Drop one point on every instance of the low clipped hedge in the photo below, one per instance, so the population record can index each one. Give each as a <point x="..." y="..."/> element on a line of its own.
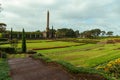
<point x="8" y="50"/>
<point x="3" y="39"/>
<point x="86" y="41"/>
<point x="82" y="70"/>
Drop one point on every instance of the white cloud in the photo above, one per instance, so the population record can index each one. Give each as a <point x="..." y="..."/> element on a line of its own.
<point x="31" y="14"/>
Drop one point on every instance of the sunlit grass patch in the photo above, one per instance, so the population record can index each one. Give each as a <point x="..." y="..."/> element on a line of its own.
<point x="23" y="55"/>
<point x="81" y="57"/>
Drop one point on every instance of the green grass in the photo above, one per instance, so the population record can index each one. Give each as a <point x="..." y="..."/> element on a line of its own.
<point x="84" y="55"/>
<point x="37" y="41"/>
<point x="72" y="69"/>
<point x="44" y="44"/>
<point x="4" y="70"/>
<point x="89" y="55"/>
<point x="17" y="55"/>
<point x="67" y="49"/>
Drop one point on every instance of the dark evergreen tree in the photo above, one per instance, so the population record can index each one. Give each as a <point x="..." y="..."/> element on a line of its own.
<point x="11" y="34"/>
<point x="52" y="33"/>
<point x="23" y="42"/>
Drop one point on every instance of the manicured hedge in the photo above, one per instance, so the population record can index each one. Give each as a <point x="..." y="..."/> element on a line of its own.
<point x="3" y="39"/>
<point x="8" y="49"/>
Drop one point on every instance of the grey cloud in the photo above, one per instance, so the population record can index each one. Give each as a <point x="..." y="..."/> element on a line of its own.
<point x="31" y="14"/>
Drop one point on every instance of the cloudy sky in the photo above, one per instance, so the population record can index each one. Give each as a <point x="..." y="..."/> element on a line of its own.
<point x="76" y="14"/>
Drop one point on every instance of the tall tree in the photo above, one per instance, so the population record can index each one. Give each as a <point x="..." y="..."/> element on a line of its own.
<point x="52" y="33"/>
<point x="11" y="34"/>
<point x="23" y="41"/>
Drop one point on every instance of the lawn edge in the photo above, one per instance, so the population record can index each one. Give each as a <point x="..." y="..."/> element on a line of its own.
<point x="72" y="69"/>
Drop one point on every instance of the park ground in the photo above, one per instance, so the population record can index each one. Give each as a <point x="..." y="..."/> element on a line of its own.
<point x="85" y="54"/>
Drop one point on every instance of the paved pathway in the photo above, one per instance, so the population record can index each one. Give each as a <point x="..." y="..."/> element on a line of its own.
<point x="30" y="69"/>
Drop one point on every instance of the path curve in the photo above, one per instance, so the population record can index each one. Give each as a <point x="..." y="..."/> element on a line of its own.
<point x="30" y="69"/>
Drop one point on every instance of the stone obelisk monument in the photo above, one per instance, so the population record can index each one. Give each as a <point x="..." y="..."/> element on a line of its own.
<point x="47" y="28"/>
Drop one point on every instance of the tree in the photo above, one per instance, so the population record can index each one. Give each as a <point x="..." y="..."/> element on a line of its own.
<point x="109" y="33"/>
<point x="86" y="34"/>
<point x="64" y="32"/>
<point x="2" y="27"/>
<point x="52" y="33"/>
<point x="38" y="31"/>
<point x="77" y="33"/>
<point x="103" y="33"/>
<point x="23" y="41"/>
<point x="11" y="34"/>
<point x="94" y="33"/>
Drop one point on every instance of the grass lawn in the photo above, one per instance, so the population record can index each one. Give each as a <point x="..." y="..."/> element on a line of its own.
<point x="89" y="55"/>
<point x="32" y="44"/>
<point x="17" y="55"/>
<point x="37" y="41"/>
<point x="84" y="55"/>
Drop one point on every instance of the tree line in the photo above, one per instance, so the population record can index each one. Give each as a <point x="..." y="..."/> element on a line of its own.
<point x="66" y="32"/>
<point x="70" y="33"/>
<point x="95" y="33"/>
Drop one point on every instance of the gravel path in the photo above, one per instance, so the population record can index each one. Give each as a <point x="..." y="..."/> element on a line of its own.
<point x="30" y="69"/>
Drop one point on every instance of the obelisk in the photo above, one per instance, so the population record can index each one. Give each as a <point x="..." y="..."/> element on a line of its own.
<point x="47" y="28"/>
